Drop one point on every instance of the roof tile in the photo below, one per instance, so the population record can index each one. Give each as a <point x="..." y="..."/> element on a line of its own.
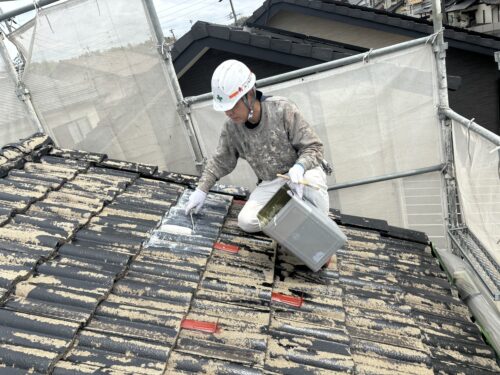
<point x="218" y="31"/>
<point x="132" y="267"/>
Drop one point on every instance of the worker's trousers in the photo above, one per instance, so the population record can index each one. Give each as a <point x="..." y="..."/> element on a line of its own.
<point x="247" y="219"/>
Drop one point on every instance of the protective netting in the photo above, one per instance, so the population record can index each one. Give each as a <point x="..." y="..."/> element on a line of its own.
<point x="15" y="121"/>
<point x="375" y="117"/>
<point x="99" y="83"/>
<point x="477" y="164"/>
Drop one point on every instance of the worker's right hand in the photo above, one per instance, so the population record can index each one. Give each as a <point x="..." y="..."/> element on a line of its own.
<point x="196" y="201"/>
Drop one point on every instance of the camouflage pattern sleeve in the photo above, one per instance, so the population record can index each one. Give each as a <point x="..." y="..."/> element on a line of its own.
<point x="303" y="138"/>
<point x="221" y="164"/>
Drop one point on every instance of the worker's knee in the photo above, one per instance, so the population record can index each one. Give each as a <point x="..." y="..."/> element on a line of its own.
<point x="248" y="221"/>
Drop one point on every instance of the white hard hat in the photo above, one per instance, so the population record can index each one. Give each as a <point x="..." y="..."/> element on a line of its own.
<point x="231" y="80"/>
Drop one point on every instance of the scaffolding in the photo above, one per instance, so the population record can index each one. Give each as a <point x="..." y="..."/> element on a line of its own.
<point x="400" y="153"/>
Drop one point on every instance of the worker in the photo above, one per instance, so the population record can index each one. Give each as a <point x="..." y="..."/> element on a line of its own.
<point x="268" y="132"/>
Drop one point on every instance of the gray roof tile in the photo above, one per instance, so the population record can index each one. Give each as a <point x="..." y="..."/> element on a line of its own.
<point x="129" y="282"/>
<point x="261" y="41"/>
<point x="118" y="354"/>
<point x="238" y="36"/>
<point x="216" y="31"/>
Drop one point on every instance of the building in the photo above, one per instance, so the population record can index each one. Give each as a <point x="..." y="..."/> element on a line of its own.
<point x="267" y="51"/>
<point x="471" y="65"/>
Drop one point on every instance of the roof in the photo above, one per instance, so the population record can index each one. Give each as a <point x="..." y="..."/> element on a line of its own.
<point x="460" y="5"/>
<point x="377" y="19"/>
<point x="101" y="272"/>
<point x="265" y="43"/>
<point x="396" y="6"/>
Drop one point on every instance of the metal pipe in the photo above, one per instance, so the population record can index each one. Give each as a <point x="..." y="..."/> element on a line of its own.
<point x="23" y="95"/>
<point x="155" y="21"/>
<point x="440" y="50"/>
<point x="322" y="67"/>
<point x="234" y="13"/>
<point x="472" y="292"/>
<point x="181" y="106"/>
<point x="26" y="8"/>
<point x="387" y="177"/>
<point x="476" y="128"/>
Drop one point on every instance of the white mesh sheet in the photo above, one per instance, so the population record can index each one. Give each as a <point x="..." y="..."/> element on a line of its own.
<point x="100" y="85"/>
<point x="375" y="118"/>
<point x="414" y="202"/>
<point x="15" y="121"/>
<point x="478" y="175"/>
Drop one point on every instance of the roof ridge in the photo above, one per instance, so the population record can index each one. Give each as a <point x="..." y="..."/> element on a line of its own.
<point x="268" y="3"/>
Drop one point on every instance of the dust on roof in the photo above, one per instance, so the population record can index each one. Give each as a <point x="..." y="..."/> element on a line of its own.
<point x="101" y="271"/>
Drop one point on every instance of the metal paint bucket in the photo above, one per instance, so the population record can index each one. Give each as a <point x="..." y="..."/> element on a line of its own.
<point x="300" y="227"/>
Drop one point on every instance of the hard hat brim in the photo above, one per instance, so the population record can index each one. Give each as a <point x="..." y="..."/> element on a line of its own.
<point x="223" y="107"/>
<point x="226" y="106"/>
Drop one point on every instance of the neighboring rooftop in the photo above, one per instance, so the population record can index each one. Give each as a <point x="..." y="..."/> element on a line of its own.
<point x="101" y="272"/>
<point x="266" y="50"/>
<point x="376" y="19"/>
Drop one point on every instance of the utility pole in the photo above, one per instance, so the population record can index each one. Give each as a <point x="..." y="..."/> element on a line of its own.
<point x="172" y="31"/>
<point x="232" y="9"/>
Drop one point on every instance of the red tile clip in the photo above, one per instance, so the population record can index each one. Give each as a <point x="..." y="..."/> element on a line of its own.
<point x="288" y="300"/>
<point x="197" y="325"/>
<point x="226" y="247"/>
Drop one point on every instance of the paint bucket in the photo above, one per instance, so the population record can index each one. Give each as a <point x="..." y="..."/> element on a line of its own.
<point x="301" y="228"/>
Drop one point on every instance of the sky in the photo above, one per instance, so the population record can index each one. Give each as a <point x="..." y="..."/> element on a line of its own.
<point x="174" y="14"/>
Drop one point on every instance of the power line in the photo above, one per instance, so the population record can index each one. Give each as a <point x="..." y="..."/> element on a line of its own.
<point x="175" y="16"/>
<point x="180" y="9"/>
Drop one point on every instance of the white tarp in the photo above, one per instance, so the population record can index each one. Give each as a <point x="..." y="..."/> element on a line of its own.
<point x="478" y="174"/>
<point x="99" y="83"/>
<point x="375" y="118"/>
<point x="15" y="121"/>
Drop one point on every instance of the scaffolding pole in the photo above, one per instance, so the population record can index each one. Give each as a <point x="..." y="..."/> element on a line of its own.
<point x="324" y="66"/>
<point x="22" y="93"/>
<point x="182" y="107"/>
<point x="25" y="9"/>
<point x="392" y="176"/>
<point x="470" y="124"/>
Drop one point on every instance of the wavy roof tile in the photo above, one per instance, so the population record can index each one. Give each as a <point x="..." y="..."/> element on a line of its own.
<point x="101" y="272"/>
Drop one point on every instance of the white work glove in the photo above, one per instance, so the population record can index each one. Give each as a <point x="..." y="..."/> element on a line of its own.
<point x="196" y="200"/>
<point x="296" y="174"/>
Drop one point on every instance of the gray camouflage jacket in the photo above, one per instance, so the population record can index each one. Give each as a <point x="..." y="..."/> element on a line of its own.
<point x="282" y="138"/>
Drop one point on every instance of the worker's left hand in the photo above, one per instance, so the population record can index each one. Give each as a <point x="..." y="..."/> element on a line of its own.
<point x="296" y="174"/>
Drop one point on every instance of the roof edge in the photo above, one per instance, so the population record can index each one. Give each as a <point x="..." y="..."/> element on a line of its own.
<point x="473" y="295"/>
<point x="329" y="6"/>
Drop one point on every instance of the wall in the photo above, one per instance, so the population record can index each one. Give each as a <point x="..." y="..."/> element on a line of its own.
<point x="478" y="95"/>
<point x="333" y="30"/>
<point x="196" y="80"/>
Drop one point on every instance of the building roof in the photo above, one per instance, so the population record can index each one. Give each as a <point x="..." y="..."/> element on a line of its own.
<point x="101" y="272"/>
<point x="377" y="19"/>
<point x="460" y="5"/>
<point x="266" y="43"/>
<point x="396" y="6"/>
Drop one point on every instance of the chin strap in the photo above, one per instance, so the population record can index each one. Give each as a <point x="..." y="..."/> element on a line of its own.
<point x="250" y="105"/>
